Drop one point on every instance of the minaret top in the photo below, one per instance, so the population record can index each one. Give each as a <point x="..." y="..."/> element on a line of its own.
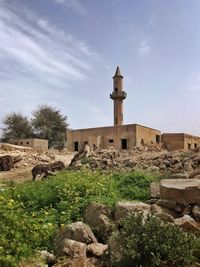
<point x="118" y="72"/>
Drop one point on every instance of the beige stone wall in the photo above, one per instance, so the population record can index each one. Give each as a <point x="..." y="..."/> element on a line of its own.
<point x="39" y="144"/>
<point x="173" y="141"/>
<point x="191" y="141"/>
<point x="178" y="141"/>
<point x="104" y="137"/>
<point x="147" y="136"/>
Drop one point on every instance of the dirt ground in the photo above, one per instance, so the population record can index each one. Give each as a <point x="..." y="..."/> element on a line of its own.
<point x="29" y="158"/>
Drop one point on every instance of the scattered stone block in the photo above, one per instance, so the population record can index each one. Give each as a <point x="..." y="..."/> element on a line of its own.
<point x="122" y="209"/>
<point x="186" y="191"/>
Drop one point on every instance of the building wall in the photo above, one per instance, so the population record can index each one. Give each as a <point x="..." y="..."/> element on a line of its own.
<point x="102" y="137"/>
<point x="40" y="144"/>
<point x="177" y="141"/>
<point x="191" y="141"/>
<point x="147" y="136"/>
<point x="173" y="141"/>
<point x="112" y="136"/>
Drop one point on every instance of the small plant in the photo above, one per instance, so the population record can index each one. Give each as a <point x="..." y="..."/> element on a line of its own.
<point x="134" y="185"/>
<point x="148" y="242"/>
<point x="85" y="160"/>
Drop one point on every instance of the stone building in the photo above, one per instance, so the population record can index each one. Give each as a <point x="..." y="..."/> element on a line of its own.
<point x="39" y="144"/>
<point x="128" y="136"/>
<point x="118" y="136"/>
<point x="180" y="141"/>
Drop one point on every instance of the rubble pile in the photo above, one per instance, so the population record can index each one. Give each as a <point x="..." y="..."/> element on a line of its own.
<point x="28" y="156"/>
<point x="181" y="164"/>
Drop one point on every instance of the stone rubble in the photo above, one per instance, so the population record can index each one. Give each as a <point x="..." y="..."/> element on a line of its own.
<point x="180" y="164"/>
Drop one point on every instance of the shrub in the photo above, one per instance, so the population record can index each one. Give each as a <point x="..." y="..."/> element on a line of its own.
<point x="148" y="242"/>
<point x="30" y="212"/>
<point x="134" y="185"/>
<point x="21" y="233"/>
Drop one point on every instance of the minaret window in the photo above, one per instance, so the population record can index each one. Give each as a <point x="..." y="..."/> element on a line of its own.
<point x="116" y="89"/>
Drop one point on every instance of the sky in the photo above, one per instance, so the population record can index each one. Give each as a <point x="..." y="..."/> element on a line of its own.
<point x="64" y="53"/>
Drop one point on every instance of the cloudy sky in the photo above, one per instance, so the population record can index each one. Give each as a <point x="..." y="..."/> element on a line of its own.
<point x="65" y="52"/>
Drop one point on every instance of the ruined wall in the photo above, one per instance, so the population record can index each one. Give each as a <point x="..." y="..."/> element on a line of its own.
<point x="103" y="137"/>
<point x="177" y="141"/>
<point x="191" y="141"/>
<point x="173" y="141"/>
<point x="118" y="137"/>
<point x="39" y="144"/>
<point x="147" y="136"/>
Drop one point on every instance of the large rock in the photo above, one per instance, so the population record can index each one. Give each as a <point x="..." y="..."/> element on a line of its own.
<point x="97" y="249"/>
<point x="165" y="203"/>
<point x="76" y="251"/>
<point x="187" y="223"/>
<point x="80" y="232"/>
<point x="163" y="213"/>
<point x="48" y="258"/>
<point x="181" y="190"/>
<point x="122" y="209"/>
<point x="155" y="190"/>
<point x="98" y="216"/>
<point x="196" y="212"/>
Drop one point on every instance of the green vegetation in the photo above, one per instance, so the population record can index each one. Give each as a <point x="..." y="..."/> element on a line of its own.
<point x="31" y="212"/>
<point x="148" y="242"/>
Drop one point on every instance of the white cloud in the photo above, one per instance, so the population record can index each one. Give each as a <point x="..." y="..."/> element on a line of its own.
<point x="75" y="5"/>
<point x="39" y="62"/>
<point x="144" y="48"/>
<point x="52" y="53"/>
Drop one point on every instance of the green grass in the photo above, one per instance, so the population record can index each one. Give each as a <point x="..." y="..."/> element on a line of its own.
<point x="31" y="212"/>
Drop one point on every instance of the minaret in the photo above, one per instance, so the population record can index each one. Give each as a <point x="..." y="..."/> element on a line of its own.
<point x="118" y="95"/>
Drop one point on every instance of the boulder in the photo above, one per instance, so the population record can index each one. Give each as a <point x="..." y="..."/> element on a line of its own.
<point x="76" y="252"/>
<point x="155" y="190"/>
<point x="122" y="209"/>
<point x="165" y="217"/>
<point x="186" y="191"/>
<point x="180" y="176"/>
<point x="98" y="216"/>
<point x="163" y="213"/>
<point x="48" y="258"/>
<point x="80" y="232"/>
<point x="196" y="212"/>
<point x="153" y="168"/>
<point x="187" y="223"/>
<point x="97" y="249"/>
<point x="165" y="203"/>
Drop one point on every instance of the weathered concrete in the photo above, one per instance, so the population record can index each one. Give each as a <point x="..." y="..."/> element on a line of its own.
<point x="186" y="191"/>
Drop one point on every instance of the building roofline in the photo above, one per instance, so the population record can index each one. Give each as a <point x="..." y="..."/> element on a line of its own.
<point x="114" y="126"/>
<point x="185" y="134"/>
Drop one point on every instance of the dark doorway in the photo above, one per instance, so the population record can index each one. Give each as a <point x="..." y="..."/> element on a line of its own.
<point x="124" y="143"/>
<point x="189" y="146"/>
<point x="76" y="146"/>
<point x="157" y="138"/>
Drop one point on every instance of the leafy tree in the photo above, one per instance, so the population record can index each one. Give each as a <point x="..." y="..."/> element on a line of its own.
<point x="48" y="123"/>
<point x="16" y="126"/>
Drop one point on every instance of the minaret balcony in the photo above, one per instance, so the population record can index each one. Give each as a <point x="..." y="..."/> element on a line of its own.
<point x="118" y="95"/>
